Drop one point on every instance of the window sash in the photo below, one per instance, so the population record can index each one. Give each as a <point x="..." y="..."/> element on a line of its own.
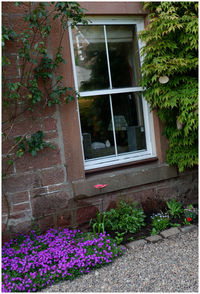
<point x="148" y="125"/>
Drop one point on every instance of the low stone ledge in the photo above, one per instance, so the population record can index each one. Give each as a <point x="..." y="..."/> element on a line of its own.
<point x="124" y="179"/>
<point x="154" y="239"/>
<point x="134" y="244"/>
<point x="170" y="232"/>
<point x="188" y="228"/>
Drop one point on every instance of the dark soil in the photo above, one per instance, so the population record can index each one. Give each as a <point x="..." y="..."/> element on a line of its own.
<point x="146" y="230"/>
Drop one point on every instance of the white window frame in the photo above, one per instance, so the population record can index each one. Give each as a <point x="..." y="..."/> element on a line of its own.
<point x="128" y="157"/>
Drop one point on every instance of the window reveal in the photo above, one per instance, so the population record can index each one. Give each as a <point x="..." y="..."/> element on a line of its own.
<point x="107" y="73"/>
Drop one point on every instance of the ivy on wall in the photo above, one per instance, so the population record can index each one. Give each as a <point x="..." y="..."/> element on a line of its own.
<point x="170" y="75"/>
<point x="39" y="82"/>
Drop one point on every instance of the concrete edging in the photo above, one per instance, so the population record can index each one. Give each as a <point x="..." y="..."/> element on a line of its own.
<point x="163" y="235"/>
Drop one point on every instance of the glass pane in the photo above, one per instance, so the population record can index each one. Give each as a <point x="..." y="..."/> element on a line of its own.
<point x="90" y="57"/>
<point x="95" y="117"/>
<point x="123" y="55"/>
<point x="129" y="122"/>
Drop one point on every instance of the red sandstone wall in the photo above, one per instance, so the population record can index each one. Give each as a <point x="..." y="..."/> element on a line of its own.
<point x="35" y="187"/>
<point x="41" y="188"/>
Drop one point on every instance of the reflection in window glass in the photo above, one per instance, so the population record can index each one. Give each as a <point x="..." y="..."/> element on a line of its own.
<point x="129" y="122"/>
<point x="123" y="55"/>
<point x="112" y="121"/>
<point x="95" y="117"/>
<point x="90" y="57"/>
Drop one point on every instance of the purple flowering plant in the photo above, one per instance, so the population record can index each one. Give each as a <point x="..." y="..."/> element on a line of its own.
<point x="32" y="262"/>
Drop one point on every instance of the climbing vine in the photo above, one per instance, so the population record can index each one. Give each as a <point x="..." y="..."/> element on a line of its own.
<point x="170" y="75"/>
<point x="38" y="83"/>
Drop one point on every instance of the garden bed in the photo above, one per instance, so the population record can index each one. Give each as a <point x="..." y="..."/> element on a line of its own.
<point x="35" y="261"/>
<point x="128" y="221"/>
<point x="147" y="229"/>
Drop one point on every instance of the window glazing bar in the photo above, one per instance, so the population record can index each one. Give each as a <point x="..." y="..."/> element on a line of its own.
<point x="111" y="91"/>
<point x="113" y="125"/>
<point x="107" y="55"/>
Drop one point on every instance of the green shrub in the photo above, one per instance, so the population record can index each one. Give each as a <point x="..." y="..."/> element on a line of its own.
<point x="125" y="217"/>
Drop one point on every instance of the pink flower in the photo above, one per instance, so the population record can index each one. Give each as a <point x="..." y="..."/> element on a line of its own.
<point x="100" y="186"/>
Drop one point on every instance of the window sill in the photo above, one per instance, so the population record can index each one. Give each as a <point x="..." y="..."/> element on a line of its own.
<point x="121" y="179"/>
<point x="119" y="166"/>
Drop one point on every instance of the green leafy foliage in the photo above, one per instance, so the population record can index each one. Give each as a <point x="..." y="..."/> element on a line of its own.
<point x="174" y="208"/>
<point x="98" y="225"/>
<point x="171" y="49"/>
<point x="32" y="145"/>
<point x="191" y="212"/>
<point x="126" y="217"/>
<point x="119" y="237"/>
<point x="160" y="221"/>
<point x="39" y="83"/>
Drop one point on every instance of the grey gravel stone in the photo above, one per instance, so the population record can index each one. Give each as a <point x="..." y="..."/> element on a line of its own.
<point x="154" y="238"/>
<point x="135" y="244"/>
<point x="167" y="266"/>
<point x="188" y="228"/>
<point x="170" y="232"/>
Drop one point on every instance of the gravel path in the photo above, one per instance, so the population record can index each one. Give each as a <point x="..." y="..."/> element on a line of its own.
<point x="170" y="265"/>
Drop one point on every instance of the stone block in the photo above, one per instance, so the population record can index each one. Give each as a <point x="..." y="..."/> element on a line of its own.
<point x="49" y="124"/>
<point x="64" y="219"/>
<point x="18" y="215"/>
<point x="6" y="168"/>
<point x="154" y="239"/>
<point x="18" y="197"/>
<point x="170" y="232"/>
<point x="50" y="135"/>
<point x="25" y="126"/>
<point x="46" y="223"/>
<point x="12" y="69"/>
<point x="38" y="192"/>
<point x="168" y="192"/>
<point x="21" y="207"/>
<point x="45" y="158"/>
<point x="84" y="214"/>
<point x="5" y="205"/>
<point x="56" y="188"/>
<point x="52" y="176"/>
<point x="5" y="237"/>
<point x="18" y="183"/>
<point x="135" y="244"/>
<point x="188" y="228"/>
<point x="49" y="204"/>
<point x="22" y="227"/>
<point x="9" y="7"/>
<point x="3" y="227"/>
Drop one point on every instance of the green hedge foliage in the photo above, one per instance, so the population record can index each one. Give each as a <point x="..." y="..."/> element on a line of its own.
<point x="170" y="49"/>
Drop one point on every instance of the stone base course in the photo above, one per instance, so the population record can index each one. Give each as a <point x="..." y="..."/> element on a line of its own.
<point x="170" y="232"/>
<point x="163" y="235"/>
<point x="187" y="228"/>
<point x="154" y="238"/>
<point x="137" y="243"/>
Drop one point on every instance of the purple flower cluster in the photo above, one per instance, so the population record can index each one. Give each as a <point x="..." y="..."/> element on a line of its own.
<point x="38" y="261"/>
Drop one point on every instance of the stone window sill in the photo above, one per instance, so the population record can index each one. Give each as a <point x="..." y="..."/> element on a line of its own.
<point x="123" y="179"/>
